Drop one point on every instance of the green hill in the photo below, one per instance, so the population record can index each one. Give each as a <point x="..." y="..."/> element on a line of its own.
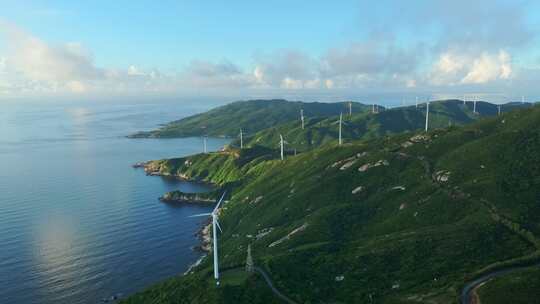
<point x="252" y="116"/>
<point x="408" y="218"/>
<point x="366" y="125"/>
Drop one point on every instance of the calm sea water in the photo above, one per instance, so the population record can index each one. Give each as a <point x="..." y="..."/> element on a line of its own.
<point x="77" y="223"/>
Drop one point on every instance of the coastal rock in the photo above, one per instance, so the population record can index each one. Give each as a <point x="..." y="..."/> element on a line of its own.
<point x="347" y="165"/>
<point x="419" y="138"/>
<point x="365" y="167"/>
<point x="441" y="176"/>
<point x="178" y="196"/>
<point x="288" y="236"/>
<point x="357" y="190"/>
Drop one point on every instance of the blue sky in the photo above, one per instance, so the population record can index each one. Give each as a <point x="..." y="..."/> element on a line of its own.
<point x="243" y="49"/>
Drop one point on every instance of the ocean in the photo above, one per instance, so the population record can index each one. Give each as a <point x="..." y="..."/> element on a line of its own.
<point x="77" y="222"/>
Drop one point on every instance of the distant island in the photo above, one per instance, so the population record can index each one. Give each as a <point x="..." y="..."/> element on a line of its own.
<point x="393" y="214"/>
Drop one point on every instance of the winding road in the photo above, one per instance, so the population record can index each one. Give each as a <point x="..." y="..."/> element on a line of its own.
<point x="271" y="285"/>
<point x="267" y="280"/>
<point x="467" y="291"/>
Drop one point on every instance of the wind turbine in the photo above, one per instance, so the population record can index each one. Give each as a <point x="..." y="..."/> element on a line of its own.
<point x="474" y="105"/>
<point x="281" y="145"/>
<point x="204" y="144"/>
<point x="498" y="110"/>
<point x="427" y="115"/>
<point x="416" y="103"/>
<point x="340" y="122"/>
<point x="241" y="139"/>
<point x="522" y="99"/>
<point x="302" y="117"/>
<point x="215" y="226"/>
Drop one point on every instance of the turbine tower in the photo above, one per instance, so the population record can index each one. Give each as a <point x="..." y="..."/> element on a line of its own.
<point x="215" y="226"/>
<point x="281" y="145"/>
<point x="427" y="115"/>
<point x="474" y="105"/>
<point x="416" y="103"/>
<point x="204" y="144"/>
<point x="350" y="108"/>
<point x="241" y="139"/>
<point x="340" y="123"/>
<point x="249" y="260"/>
<point x="302" y="117"/>
<point x="498" y="110"/>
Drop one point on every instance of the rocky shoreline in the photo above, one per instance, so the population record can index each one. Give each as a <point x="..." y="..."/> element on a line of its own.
<point x="178" y="196"/>
<point x="204" y="233"/>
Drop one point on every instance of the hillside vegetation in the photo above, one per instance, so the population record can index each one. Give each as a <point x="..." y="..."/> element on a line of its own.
<point x="366" y="125"/>
<point x="252" y="116"/>
<point x="407" y="218"/>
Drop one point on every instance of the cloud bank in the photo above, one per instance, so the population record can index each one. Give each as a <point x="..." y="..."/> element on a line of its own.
<point x="457" y="46"/>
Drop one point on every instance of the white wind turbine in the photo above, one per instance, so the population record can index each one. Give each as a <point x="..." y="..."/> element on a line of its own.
<point x="427" y="115"/>
<point x="474" y="105"/>
<point x="341" y="123"/>
<point x="416" y="103"/>
<point x="241" y="139"/>
<point x="204" y="144"/>
<point x="215" y="226"/>
<point x="498" y="110"/>
<point x="302" y="117"/>
<point x="522" y="99"/>
<point x="282" y="145"/>
<point x="350" y="108"/>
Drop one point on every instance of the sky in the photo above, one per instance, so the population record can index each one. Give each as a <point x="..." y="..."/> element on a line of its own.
<point x="387" y="51"/>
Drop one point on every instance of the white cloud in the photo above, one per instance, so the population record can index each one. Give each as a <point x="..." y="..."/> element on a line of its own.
<point x="457" y="68"/>
<point x="488" y="67"/>
<point x="451" y="48"/>
<point x="38" y="61"/>
<point x="134" y="71"/>
<point x="285" y="68"/>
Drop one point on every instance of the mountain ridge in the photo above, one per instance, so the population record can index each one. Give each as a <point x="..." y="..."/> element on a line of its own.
<point x="406" y="218"/>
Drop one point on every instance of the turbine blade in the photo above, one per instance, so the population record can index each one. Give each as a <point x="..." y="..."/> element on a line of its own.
<point x="219" y="202"/>
<point x="200" y="215"/>
<point x="219" y="227"/>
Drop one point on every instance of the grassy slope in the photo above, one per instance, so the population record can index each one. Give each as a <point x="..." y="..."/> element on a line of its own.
<point x="416" y="245"/>
<point x="365" y="125"/>
<point x="220" y="168"/>
<point x="252" y="116"/>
